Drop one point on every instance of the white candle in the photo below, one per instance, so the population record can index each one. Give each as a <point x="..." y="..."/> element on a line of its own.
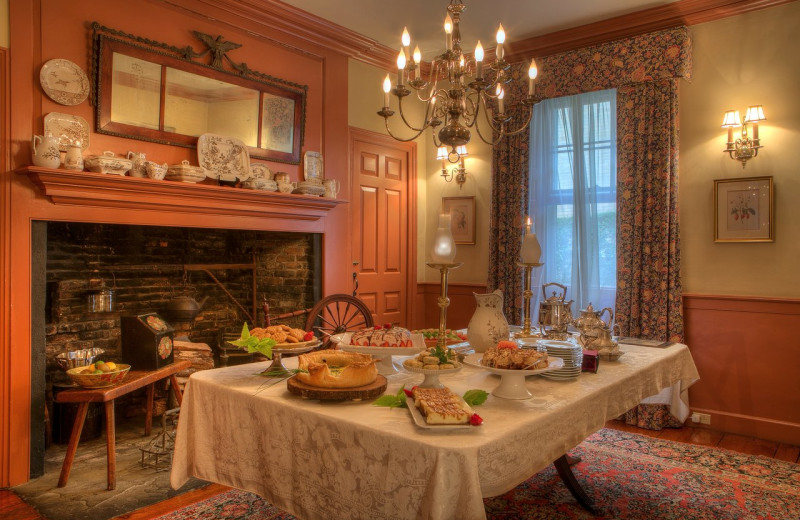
<point x="417" y="61"/>
<point x="500" y="95"/>
<point x="387" y="87"/>
<point x="479" y="60"/>
<point x="532" y="72"/>
<point x="401" y="67"/>
<point x="448" y="32"/>
<point x="531" y="250"/>
<point x="501" y="37"/>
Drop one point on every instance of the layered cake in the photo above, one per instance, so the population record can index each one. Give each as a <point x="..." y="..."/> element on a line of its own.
<point x="386" y="336"/>
<point x="441" y="406"/>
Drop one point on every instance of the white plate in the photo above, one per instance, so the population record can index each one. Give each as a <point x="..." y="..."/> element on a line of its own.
<point x="223" y="158"/>
<point x="260" y="171"/>
<point x="382" y="354"/>
<point x="297" y="347"/>
<point x="68" y="129"/>
<point x="419" y="420"/>
<point x="64" y="82"/>
<point x="312" y="167"/>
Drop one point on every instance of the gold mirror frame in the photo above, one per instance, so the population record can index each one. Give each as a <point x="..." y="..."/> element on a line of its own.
<point x="272" y="92"/>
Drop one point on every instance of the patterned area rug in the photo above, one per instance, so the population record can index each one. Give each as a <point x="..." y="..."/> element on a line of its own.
<point x="628" y="476"/>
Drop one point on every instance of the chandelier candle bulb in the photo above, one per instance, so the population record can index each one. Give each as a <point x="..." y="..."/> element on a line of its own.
<point x="387" y="87"/>
<point x="500" y="95"/>
<point x="401" y="67"/>
<point x="531" y="249"/>
<point x="501" y="38"/>
<point x="532" y="72"/>
<point x="406" y="39"/>
<point x="448" y="32"/>
<point x="479" y="60"/>
<point x="417" y="61"/>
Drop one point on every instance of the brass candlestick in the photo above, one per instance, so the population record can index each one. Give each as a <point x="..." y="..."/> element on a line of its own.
<point x="443" y="300"/>
<point x="526" y="300"/>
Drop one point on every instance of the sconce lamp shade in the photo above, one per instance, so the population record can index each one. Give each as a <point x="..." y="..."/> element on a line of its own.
<point x="442" y="153"/>
<point x="462" y="150"/>
<point x="731" y="119"/>
<point x="754" y="114"/>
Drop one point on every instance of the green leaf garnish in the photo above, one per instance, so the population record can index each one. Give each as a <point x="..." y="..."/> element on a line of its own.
<point x="397" y="400"/>
<point x="475" y="397"/>
<point x="252" y="344"/>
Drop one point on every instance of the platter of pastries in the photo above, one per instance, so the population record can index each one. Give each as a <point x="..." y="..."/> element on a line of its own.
<point x="285" y="336"/>
<point x="439" y="408"/>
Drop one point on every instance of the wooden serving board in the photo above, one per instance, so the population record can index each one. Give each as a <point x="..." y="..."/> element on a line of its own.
<point x="358" y="393"/>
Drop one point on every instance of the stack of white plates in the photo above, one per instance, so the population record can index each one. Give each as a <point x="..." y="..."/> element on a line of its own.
<point x="570" y="352"/>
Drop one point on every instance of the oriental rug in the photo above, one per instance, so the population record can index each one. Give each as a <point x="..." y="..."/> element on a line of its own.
<point x="628" y="476"/>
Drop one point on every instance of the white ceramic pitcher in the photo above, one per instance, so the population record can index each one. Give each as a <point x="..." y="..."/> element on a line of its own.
<point x="488" y="325"/>
<point x="331" y="188"/>
<point x="45" y="152"/>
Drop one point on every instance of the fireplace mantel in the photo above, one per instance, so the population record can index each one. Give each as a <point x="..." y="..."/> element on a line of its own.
<point x="75" y="188"/>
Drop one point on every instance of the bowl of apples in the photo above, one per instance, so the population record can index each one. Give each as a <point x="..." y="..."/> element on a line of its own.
<point x="99" y="374"/>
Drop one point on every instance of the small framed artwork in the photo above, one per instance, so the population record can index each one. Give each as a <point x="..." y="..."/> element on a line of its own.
<point x="743" y="210"/>
<point x="462" y="218"/>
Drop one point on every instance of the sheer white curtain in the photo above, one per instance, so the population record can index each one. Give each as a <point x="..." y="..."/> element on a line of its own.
<point x="573" y="195"/>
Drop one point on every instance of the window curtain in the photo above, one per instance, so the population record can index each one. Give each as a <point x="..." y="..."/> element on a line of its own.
<point x="652" y="61"/>
<point x="573" y="194"/>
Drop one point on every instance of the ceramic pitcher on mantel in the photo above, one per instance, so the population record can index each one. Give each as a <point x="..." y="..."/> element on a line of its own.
<point x="488" y="325"/>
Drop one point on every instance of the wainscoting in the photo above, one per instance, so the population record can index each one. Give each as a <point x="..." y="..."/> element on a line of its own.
<point x="746" y="350"/>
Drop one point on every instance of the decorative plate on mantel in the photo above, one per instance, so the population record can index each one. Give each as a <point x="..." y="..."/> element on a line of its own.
<point x="64" y="82"/>
<point x="223" y="158"/>
<point x="312" y="167"/>
<point x="68" y="129"/>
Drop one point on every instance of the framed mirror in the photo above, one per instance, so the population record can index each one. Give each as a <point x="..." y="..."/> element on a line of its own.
<point x="154" y="92"/>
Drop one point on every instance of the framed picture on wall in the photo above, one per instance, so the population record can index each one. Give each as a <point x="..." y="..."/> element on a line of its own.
<point x="462" y="218"/>
<point x="743" y="210"/>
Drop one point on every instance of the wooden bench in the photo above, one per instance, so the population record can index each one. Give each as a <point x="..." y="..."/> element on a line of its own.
<point x="134" y="380"/>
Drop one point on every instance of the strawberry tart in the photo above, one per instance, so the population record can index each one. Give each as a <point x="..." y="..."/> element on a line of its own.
<point x="386" y="336"/>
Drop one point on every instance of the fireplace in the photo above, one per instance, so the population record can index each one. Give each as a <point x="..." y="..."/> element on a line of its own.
<point x="234" y="271"/>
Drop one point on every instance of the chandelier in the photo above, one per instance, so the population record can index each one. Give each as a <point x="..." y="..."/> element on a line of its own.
<point x="459" y="87"/>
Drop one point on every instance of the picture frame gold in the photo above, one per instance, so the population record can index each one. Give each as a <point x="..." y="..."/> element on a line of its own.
<point x="744" y="210"/>
<point x="462" y="222"/>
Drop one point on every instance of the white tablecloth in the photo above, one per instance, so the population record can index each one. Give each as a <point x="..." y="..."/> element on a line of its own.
<point x="352" y="460"/>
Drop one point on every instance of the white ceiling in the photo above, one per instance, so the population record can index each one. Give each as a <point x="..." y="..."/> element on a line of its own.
<point x="383" y="20"/>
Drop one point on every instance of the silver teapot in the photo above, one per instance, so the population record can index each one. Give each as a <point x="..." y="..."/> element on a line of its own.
<point x="555" y="312"/>
<point x="590" y="323"/>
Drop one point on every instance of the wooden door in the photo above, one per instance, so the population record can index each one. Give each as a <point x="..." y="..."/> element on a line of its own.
<point x="381" y="173"/>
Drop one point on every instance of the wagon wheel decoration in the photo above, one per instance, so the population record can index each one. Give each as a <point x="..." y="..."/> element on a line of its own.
<point x="338" y="313"/>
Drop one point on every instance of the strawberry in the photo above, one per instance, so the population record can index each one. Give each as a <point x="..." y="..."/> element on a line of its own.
<point x="387" y="326"/>
<point x="409" y="393"/>
<point x="385" y="344"/>
<point x="377" y="327"/>
<point x="309" y="336"/>
<point x="475" y="420"/>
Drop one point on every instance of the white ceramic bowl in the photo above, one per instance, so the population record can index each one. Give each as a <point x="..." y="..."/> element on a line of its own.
<point x="156" y="171"/>
<point x="108" y="163"/>
<point x="184" y="172"/>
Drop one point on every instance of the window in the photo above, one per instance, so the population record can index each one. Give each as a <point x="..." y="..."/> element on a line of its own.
<point x="573" y="176"/>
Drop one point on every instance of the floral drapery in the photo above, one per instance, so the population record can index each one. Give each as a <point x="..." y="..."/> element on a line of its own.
<point x="644" y="69"/>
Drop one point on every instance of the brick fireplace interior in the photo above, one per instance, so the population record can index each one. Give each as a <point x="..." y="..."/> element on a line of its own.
<point x="146" y="267"/>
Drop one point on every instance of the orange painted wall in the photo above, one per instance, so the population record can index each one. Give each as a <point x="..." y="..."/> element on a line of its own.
<point x="42" y="30"/>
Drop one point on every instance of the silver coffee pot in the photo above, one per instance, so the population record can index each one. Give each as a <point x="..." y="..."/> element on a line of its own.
<point x="590" y="324"/>
<point x="555" y="313"/>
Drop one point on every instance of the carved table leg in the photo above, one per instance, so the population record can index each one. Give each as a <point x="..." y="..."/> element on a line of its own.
<point x="173" y="380"/>
<point x="565" y="472"/>
<point x="148" y="420"/>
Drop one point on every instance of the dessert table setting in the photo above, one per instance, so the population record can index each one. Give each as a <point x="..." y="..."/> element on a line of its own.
<point x="319" y="459"/>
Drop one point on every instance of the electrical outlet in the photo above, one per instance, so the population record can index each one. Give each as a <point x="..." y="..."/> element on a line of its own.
<point x="702" y="418"/>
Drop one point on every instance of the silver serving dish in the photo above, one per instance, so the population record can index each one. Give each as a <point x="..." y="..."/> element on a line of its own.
<point x="78" y="358"/>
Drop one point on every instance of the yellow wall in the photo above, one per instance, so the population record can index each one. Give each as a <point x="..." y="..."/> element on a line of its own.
<point x="741" y="61"/>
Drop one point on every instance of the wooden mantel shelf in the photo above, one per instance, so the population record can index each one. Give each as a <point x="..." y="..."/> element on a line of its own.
<point x="70" y="187"/>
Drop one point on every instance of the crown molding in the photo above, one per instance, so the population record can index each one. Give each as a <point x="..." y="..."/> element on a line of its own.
<point x="295" y="23"/>
<point x="683" y="12"/>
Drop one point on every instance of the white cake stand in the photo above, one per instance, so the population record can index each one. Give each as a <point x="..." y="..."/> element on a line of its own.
<point x="512" y="382"/>
<point x="432" y="376"/>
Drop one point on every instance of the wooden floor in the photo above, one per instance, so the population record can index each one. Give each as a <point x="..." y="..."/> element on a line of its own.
<point x="13" y="508"/>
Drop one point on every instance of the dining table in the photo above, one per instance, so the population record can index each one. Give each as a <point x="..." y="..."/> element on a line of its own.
<point x="354" y="460"/>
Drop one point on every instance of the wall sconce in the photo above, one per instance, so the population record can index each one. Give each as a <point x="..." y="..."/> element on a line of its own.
<point x="455" y="156"/>
<point x="743" y="148"/>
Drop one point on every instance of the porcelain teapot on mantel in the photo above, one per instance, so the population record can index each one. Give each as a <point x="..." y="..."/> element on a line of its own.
<point x="590" y="324"/>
